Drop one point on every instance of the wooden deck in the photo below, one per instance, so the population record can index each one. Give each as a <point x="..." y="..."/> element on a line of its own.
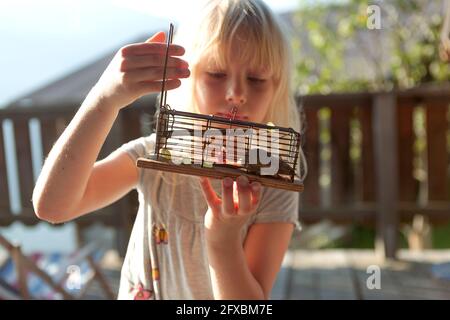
<point x="342" y="274"/>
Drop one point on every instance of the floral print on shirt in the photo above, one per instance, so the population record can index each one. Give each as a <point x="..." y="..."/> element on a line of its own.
<point x="139" y="293"/>
<point x="161" y="234"/>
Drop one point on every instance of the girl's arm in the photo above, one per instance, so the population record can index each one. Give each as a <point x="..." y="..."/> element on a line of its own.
<point x="64" y="181"/>
<point x="69" y="183"/>
<point x="249" y="272"/>
<point x="241" y="271"/>
<point x="265" y="247"/>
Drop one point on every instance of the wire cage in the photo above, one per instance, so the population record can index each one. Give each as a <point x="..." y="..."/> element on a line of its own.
<point x="218" y="147"/>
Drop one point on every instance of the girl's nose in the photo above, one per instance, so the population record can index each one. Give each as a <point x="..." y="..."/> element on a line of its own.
<point x="236" y="93"/>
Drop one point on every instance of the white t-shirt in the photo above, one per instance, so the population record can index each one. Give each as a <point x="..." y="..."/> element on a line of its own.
<point x="166" y="256"/>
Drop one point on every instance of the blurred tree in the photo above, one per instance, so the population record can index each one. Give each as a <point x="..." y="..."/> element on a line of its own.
<point x="336" y="52"/>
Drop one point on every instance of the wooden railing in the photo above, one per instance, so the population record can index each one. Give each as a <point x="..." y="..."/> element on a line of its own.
<point x="382" y="184"/>
<point x="360" y="150"/>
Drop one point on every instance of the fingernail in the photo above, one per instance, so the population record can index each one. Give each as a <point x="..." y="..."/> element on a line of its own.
<point x="228" y="182"/>
<point x="184" y="72"/>
<point x="242" y="181"/>
<point x="256" y="186"/>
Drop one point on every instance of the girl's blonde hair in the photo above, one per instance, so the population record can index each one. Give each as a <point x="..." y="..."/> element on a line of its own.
<point x="264" y="44"/>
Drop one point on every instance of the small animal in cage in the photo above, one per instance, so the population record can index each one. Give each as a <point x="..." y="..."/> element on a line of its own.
<point x="219" y="147"/>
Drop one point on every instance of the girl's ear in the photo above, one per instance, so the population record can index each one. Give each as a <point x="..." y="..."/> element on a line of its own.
<point x="157" y="37"/>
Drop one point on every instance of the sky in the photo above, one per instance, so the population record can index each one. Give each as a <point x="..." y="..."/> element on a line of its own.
<point x="34" y="34"/>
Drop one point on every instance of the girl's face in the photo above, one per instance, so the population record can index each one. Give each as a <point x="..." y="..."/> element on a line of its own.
<point x="219" y="89"/>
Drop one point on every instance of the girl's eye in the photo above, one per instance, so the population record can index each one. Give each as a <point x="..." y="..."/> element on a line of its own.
<point x="256" y="80"/>
<point x="217" y="75"/>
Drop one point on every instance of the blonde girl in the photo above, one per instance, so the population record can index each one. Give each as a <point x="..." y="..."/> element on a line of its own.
<point x="192" y="238"/>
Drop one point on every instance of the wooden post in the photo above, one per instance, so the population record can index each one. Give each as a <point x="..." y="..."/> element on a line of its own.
<point x="385" y="136"/>
<point x="22" y="273"/>
<point x="437" y="127"/>
<point x="311" y="196"/>
<point x="6" y="217"/>
<point x="24" y="164"/>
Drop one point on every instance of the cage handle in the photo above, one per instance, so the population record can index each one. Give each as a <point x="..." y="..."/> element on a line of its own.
<point x="163" y="88"/>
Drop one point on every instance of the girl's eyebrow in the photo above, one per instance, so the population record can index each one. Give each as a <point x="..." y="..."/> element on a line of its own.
<point x="256" y="72"/>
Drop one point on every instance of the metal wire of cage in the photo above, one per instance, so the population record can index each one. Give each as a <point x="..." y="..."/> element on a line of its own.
<point x="186" y="138"/>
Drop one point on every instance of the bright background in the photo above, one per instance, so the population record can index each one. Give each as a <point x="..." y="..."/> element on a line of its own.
<point x="33" y="34"/>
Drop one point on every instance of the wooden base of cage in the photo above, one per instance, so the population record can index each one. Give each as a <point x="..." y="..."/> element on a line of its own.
<point x="218" y="173"/>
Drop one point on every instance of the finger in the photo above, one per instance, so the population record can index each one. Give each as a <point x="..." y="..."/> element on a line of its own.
<point x="244" y="194"/>
<point x="256" y="194"/>
<point x="152" y="74"/>
<point x="228" y="206"/>
<point x="210" y="195"/>
<point x="153" y="60"/>
<point x="157" y="37"/>
<point x="145" y="48"/>
<point x="155" y="86"/>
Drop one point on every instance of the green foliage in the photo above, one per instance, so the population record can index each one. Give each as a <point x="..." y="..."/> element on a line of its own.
<point x="408" y="41"/>
<point x="440" y="236"/>
<point x="362" y="237"/>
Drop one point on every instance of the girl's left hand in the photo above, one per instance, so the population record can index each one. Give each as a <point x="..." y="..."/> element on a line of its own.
<point x="227" y="215"/>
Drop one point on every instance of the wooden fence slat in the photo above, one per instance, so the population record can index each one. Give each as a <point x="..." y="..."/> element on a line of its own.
<point x="437" y="126"/>
<point x="60" y="124"/>
<point x="48" y="134"/>
<point x="367" y="155"/>
<point x="408" y="186"/>
<point x="341" y="173"/>
<point x="5" y="211"/>
<point x="110" y="143"/>
<point x="24" y="159"/>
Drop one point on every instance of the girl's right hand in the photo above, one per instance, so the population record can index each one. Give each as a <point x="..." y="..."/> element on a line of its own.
<point x="137" y="70"/>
